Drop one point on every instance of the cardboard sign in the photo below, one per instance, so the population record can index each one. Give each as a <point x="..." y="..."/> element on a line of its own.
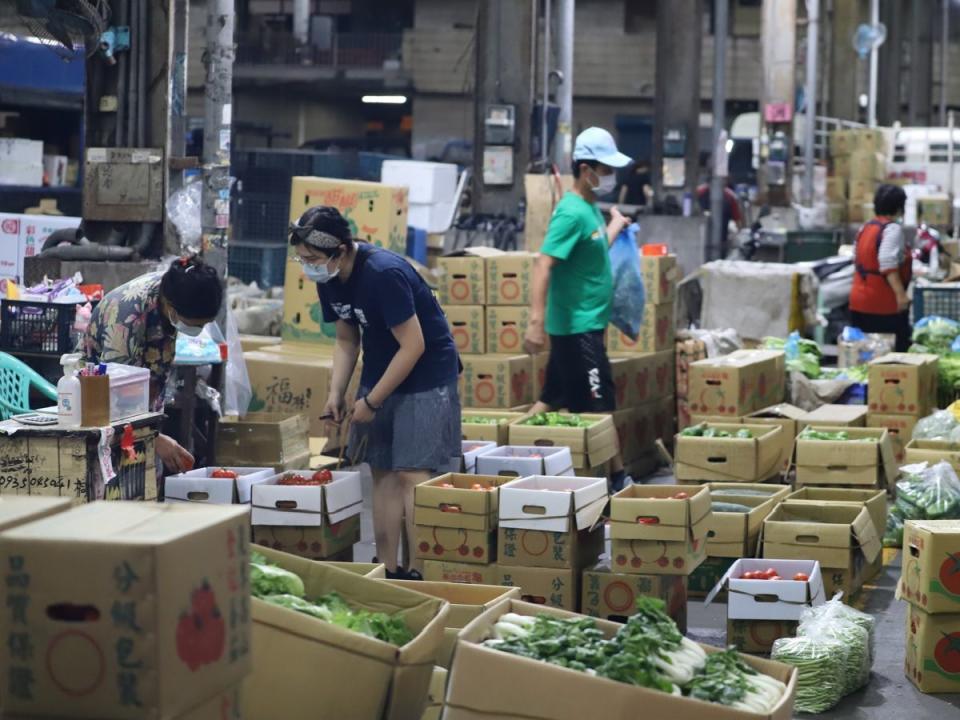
<point x="552" y="504"/>
<point x="472" y="428"/>
<point x="520" y="462"/>
<point x="550" y="587"/>
<point x="459" y="572"/>
<point x="509" y="276"/>
<point x="930" y="662"/>
<point x="468" y="326"/>
<point x="613" y="596"/>
<point x="930" y="577"/>
<point x="660" y="274"/>
<point x="903" y="383"/>
<point x="837" y="416"/>
<point x="574" y="549"/>
<point x="730" y="459"/>
<point x="866" y="459"/>
<point x="201" y="486"/>
<point x="154" y="597"/>
<point x="499" y="382"/>
<point x="589" y="447"/>
<point x="737" y="384"/>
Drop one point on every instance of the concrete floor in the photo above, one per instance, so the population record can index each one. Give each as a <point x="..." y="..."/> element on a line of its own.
<point x="888" y="696"/>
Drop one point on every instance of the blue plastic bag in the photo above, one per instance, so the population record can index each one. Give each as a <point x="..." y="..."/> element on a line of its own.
<point x="628" y="293"/>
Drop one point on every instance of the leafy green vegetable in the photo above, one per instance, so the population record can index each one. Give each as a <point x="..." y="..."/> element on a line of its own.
<point x="935" y="334"/>
<point x="803" y="355"/>
<point x="704" y="430"/>
<point x="482" y="420"/>
<point x="268" y="579"/>
<point x="821" y="665"/>
<point x="811" y="433"/>
<point x="555" y="419"/>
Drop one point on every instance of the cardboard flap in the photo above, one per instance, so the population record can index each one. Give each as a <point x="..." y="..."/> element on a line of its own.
<point x="783" y="410"/>
<point x="866" y="535"/>
<point x="479" y="251"/>
<point x="913" y="359"/>
<point x="888" y="460"/>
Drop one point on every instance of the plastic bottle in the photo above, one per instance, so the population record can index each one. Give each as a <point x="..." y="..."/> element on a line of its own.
<point x="68" y="391"/>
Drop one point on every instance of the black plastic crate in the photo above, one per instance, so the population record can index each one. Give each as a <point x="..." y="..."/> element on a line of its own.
<point x="262" y="263"/>
<point x="36" y="327"/>
<point x="938" y="299"/>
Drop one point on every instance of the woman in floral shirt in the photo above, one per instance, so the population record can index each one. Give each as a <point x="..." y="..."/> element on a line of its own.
<point x="137" y="324"/>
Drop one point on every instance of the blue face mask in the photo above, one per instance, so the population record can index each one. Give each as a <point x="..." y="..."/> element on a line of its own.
<point x="319" y="273"/>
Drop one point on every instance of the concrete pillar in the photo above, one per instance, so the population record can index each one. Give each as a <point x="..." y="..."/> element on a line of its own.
<point x="502" y="77"/>
<point x="920" y="94"/>
<point x="778" y="50"/>
<point x="677" y="88"/>
<point x="891" y="61"/>
<point x="844" y="62"/>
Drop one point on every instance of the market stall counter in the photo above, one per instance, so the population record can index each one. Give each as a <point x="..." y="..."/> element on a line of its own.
<point x="115" y="462"/>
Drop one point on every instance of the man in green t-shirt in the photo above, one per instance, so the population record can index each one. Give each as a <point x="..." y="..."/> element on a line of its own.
<point x="573" y="288"/>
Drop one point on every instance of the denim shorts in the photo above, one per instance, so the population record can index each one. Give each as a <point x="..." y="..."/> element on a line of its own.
<point x="415" y="431"/>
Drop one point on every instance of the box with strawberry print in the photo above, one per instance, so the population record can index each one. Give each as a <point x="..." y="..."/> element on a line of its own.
<point x="220" y="485"/>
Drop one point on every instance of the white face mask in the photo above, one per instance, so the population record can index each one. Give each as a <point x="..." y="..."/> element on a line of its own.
<point x="605" y="184"/>
<point x="188" y="330"/>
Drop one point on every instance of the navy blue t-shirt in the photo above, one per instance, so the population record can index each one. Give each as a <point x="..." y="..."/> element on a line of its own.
<point x="384" y="291"/>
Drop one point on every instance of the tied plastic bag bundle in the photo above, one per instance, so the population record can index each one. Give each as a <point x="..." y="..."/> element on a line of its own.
<point x="835" y="607"/>
<point x="628" y="294"/>
<point x="831" y="622"/>
<point x="803" y="355"/>
<point x="821" y="666"/>
<point x="924" y="493"/>
<point x="934" y="334"/>
<point x="937" y="426"/>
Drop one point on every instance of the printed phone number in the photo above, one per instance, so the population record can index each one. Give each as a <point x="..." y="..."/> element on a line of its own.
<point x="21" y="483"/>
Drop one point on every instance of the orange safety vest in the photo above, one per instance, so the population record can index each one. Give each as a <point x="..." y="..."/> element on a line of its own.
<point x="871" y="293"/>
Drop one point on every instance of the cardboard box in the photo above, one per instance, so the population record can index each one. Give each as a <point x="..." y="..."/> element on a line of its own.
<point x="324" y="542"/>
<point x="506" y="328"/>
<point x="758" y="636"/>
<point x="732" y="459"/>
<point x="458" y="572"/>
<point x="552" y="504"/>
<point x="932" y="451"/>
<point x="200" y="486"/>
<point x="737" y="534"/>
<point x="20" y="509"/>
<point x="463" y="276"/>
<point x="869" y="139"/>
<point x="540" y="362"/>
<point x="652" y="533"/>
<point x="660" y="275"/>
<point x="650" y="374"/>
<point x="613" y="596"/>
<point x="846" y="462"/>
<point x="685" y="353"/>
<point x="842" y="142"/>
<point x="788" y="417"/>
<point x="856" y="213"/>
<point x="573" y="549"/>
<point x="868" y="165"/>
<point x="930" y="662"/>
<point x="468" y="325"/>
<point x="862" y="190"/>
<point x="225" y="705"/>
<point x="737" y="384"/>
<point x="657" y="333"/>
<point x="623" y="423"/>
<point x="625" y="370"/>
<point x="363" y="678"/>
<point x="435" y="693"/>
<point x="930" y="576"/>
<point x="498" y="432"/>
<point x="837" y="189"/>
<point x="466" y="462"/>
<point x="289" y="384"/>
<point x="589" y="447"/>
<point x="377" y="571"/>
<point x="837" y="213"/>
<point x="515" y="461"/>
<point x="302" y="315"/>
<point x="174" y="581"/>
<point x="784" y="599"/>
<point x="262" y="438"/>
<point x="684" y="419"/>
<point x="249" y="343"/>
<point x="549" y="587"/>
<point x="841" y="537"/>
<point x="935" y="210"/>
<point x="550" y="692"/>
<point x="903" y="383"/>
<point x="899" y="430"/>
<point x="21" y="162"/>
<point x="841" y="165"/>
<point x="499" y="382"/>
<point x="837" y="416"/>
<point x="467" y="602"/>
<point x="509" y="276"/>
<point x="457" y="524"/>
<point x="701" y="581"/>
<point x="665" y="421"/>
<point x="875" y="501"/>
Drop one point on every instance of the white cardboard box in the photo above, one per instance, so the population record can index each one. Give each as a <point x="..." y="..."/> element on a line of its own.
<point x="432" y="217"/>
<point x="770" y="599"/>
<point x="21" y="162"/>
<point x="199" y="485"/>
<point x="522" y="461"/>
<point x="546" y="503"/>
<point x="427" y="182"/>
<point x="306" y="505"/>
<point x="471" y="450"/>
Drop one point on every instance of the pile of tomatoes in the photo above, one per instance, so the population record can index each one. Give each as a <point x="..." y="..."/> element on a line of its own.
<point x="320" y="477"/>
<point x="224" y="474"/>
<point x="475" y="486"/>
<point x="771" y="574"/>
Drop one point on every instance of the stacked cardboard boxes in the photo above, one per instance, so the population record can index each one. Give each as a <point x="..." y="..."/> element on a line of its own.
<point x="743" y="453"/>
<point x="864" y="460"/>
<point x="737" y="384"/>
<point x="658" y="332"/>
<point x="549" y="534"/>
<point x="591" y="445"/>
<point x="902" y="388"/>
<point x="859" y="165"/>
<point x="687" y="351"/>
<point x="930" y="583"/>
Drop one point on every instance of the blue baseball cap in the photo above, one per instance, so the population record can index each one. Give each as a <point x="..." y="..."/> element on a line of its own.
<point x="597" y="144"/>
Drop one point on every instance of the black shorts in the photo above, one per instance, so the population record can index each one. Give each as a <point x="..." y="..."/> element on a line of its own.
<point x="897" y="324"/>
<point x="579" y="378"/>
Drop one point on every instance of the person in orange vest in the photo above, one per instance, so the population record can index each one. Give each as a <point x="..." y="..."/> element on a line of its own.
<point x="883" y="268"/>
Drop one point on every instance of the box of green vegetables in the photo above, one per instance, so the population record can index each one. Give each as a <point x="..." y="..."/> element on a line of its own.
<point x="327" y="638"/>
<point x="728" y="453"/>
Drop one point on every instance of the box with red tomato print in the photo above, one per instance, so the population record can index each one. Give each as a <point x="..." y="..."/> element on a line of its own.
<point x="498" y="382"/>
<point x="468" y="325"/>
<point x="932" y="660"/>
<point x="657" y="332"/>
<point x="506" y="327"/>
<point x="314" y="514"/>
<point x="642" y="377"/>
<point x="456" y="517"/>
<point x="508" y="278"/>
<point x="660" y="274"/>
<point x="930" y="575"/>
<point x="592" y="441"/>
<point x="737" y="384"/>
<point x="125" y="610"/>
<point x="613" y="596"/>
<point x="903" y="384"/>
<point x="220" y="485"/>
<point x="659" y="529"/>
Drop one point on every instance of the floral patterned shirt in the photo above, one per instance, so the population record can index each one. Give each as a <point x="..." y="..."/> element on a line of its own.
<point x="129" y="327"/>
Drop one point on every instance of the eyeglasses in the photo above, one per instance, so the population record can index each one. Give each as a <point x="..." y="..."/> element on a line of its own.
<point x="300" y="260"/>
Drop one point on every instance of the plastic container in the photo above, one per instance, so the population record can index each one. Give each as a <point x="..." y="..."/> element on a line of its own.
<point x="129" y="391"/>
<point x="68" y="392"/>
<point x="653" y="250"/>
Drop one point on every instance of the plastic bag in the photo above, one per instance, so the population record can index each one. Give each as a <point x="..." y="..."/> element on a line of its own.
<point x="821" y="665"/>
<point x="935" y="334"/>
<point x="856" y="664"/>
<point x="836" y="609"/>
<point x="628" y="292"/>
<point x="937" y="426"/>
<point x="924" y="493"/>
<point x="183" y="211"/>
<point x="237" y="390"/>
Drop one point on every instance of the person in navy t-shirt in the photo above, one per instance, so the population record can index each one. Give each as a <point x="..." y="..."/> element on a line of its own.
<point x="406" y="418"/>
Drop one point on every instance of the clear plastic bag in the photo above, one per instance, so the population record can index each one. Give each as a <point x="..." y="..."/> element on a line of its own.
<point x="821" y="667"/>
<point x="183" y="211"/>
<point x="937" y="426"/>
<point x="928" y="492"/>
<point x="835" y="609"/>
<point x="628" y="292"/>
<point x="856" y="666"/>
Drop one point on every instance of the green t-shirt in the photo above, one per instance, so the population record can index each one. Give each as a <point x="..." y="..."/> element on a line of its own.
<point x="581" y="283"/>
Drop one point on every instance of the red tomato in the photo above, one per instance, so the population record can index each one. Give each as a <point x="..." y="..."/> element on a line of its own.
<point x="680" y="495"/>
<point x="749" y="575"/>
<point x="947" y="653"/>
<point x="769" y="573"/>
<point x="801" y="577"/>
<point x="648" y="520"/>
<point x="477" y="486"/>
<point x="950" y="574"/>
<point x="224" y="473"/>
<point x="323" y="476"/>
